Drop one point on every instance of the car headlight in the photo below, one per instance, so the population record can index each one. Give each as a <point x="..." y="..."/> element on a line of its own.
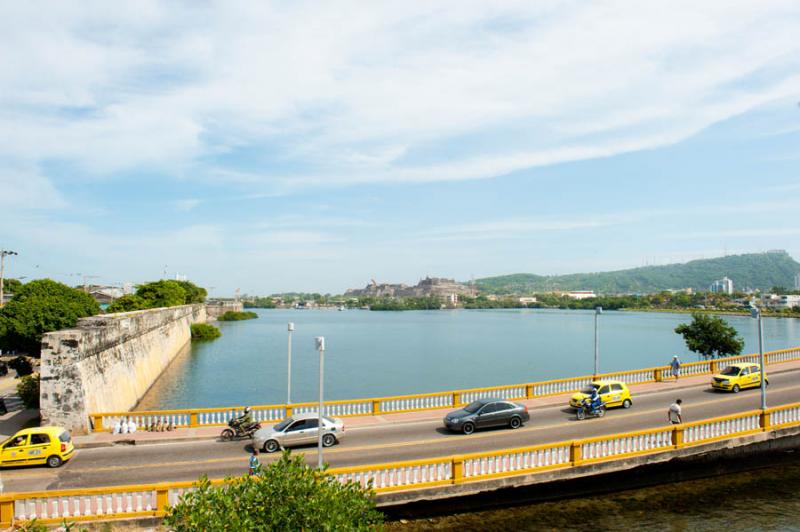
<point x="726" y="381"/>
<point x="454" y="420"/>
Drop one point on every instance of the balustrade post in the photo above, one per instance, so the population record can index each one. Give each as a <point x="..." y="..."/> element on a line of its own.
<point x="456" y="398"/>
<point x="162" y="501"/>
<point x="764" y="420"/>
<point x="97" y="422"/>
<point x="288" y="410"/>
<point x="575" y="456"/>
<point x="713" y="367"/>
<point x="529" y="391"/>
<point x="677" y="437"/>
<point x="376" y="407"/>
<point x="7" y="512"/>
<point x="193" y="419"/>
<point x="657" y="375"/>
<point x="457" y="467"/>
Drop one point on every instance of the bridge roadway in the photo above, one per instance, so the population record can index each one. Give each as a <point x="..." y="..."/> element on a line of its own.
<point x="126" y="464"/>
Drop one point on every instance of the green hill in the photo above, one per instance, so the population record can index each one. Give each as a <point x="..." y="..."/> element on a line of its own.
<point x="753" y="270"/>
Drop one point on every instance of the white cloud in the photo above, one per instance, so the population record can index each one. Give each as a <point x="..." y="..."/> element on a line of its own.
<point x="351" y="92"/>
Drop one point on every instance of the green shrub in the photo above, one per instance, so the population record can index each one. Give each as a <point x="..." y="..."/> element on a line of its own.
<point x="232" y="315"/>
<point x="28" y="390"/>
<point x="128" y="303"/>
<point x="204" y="331"/>
<point x="287" y="494"/>
<point x="21" y="365"/>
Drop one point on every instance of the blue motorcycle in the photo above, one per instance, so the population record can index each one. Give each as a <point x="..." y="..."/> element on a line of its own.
<point x="586" y="410"/>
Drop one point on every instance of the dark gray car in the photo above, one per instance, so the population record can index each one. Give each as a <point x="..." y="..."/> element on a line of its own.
<point x="487" y="412"/>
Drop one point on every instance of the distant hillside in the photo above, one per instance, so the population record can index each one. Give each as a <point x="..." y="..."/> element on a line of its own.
<point x="753" y="270"/>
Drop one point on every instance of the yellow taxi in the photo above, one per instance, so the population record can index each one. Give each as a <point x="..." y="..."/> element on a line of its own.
<point x="612" y="393"/>
<point x="37" y="445"/>
<point x="737" y="377"/>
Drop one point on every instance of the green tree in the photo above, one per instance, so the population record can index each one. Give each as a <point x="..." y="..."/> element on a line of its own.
<point x="164" y="293"/>
<point x="11" y="285"/>
<point x="710" y="336"/>
<point x="194" y="293"/>
<point x="28" y="390"/>
<point x="128" y="303"/>
<point x="285" y="495"/>
<point x="38" y="307"/>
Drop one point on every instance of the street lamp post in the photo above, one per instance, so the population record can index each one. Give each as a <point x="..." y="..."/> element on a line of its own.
<point x="597" y="312"/>
<point x="3" y="254"/>
<point x="290" y="328"/>
<point x="755" y="312"/>
<point x="319" y="342"/>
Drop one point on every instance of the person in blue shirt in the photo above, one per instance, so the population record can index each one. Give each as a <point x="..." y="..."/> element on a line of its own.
<point x="255" y="464"/>
<point x="595" y="400"/>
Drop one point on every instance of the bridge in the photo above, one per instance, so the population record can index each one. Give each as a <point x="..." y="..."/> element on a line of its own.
<point x="408" y="455"/>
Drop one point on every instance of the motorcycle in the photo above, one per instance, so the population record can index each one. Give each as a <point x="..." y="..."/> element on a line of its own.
<point x="586" y="410"/>
<point x="235" y="431"/>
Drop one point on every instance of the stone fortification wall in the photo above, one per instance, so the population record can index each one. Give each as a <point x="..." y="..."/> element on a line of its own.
<point x="217" y="309"/>
<point x="108" y="362"/>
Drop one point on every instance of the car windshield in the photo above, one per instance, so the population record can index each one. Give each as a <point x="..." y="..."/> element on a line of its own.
<point x="329" y="420"/>
<point x="282" y="425"/>
<point x="589" y="389"/>
<point x="731" y="371"/>
<point x="474" y="406"/>
<point x="64" y="437"/>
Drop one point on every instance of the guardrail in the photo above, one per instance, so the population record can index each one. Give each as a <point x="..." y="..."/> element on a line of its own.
<point x="153" y="500"/>
<point x="204" y="417"/>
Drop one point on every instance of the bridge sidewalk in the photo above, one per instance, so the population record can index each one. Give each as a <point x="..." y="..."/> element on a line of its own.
<point x="106" y="439"/>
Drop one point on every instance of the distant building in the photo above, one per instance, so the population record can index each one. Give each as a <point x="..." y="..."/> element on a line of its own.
<point x="776" y="302"/>
<point x="105" y="295"/>
<point x="430" y="286"/>
<point x="580" y="294"/>
<point x="527" y="300"/>
<point x="722" y="286"/>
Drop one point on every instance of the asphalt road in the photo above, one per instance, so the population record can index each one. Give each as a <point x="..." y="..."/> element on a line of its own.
<point x="402" y="441"/>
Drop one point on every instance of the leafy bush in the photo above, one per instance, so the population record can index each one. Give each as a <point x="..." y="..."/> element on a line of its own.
<point x="3" y="369"/>
<point x="194" y="293"/>
<point x="164" y="293"/>
<point x="21" y="365"/>
<point x="128" y="303"/>
<point x="285" y="495"/>
<point x="204" y="331"/>
<point x="28" y="390"/>
<point x="38" y="307"/>
<point x="232" y="315"/>
<point x="710" y="336"/>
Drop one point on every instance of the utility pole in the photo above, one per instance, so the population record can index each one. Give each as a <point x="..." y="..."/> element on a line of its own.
<point x="3" y="253"/>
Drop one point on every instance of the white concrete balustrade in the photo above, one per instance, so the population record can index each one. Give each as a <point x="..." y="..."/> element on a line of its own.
<point x="408" y="475"/>
<point x="725" y="427"/>
<point x="58" y="507"/>
<point x="338" y="409"/>
<point x="784" y="416"/>
<point x="520" y="461"/>
<point x="405" y="404"/>
<point x="627" y="444"/>
<point x="509" y="393"/>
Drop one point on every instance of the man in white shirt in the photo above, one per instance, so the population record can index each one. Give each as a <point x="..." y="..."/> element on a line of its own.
<point x="674" y="413"/>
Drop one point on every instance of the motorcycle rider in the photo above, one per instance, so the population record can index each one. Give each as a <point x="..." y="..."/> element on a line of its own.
<point x="595" y="402"/>
<point x="243" y="422"/>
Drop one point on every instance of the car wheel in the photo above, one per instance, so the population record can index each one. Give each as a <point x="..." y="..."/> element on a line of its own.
<point x="468" y="428"/>
<point x="515" y="422"/>
<point x="328" y="440"/>
<point x="735" y="388"/>
<point x="580" y="414"/>
<point x="54" y="461"/>
<point x="227" y="435"/>
<point x="271" y="446"/>
<point x="626" y="403"/>
<point x="601" y="411"/>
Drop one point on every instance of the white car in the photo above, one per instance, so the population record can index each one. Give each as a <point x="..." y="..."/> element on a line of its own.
<point x="301" y="429"/>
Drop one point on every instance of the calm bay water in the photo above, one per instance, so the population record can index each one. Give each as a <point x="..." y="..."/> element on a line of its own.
<point x="392" y="353"/>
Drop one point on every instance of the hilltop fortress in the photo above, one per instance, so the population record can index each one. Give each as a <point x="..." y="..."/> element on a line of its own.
<point x="430" y="286"/>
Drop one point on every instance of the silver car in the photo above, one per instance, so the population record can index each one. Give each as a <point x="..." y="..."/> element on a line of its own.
<point x="301" y="429"/>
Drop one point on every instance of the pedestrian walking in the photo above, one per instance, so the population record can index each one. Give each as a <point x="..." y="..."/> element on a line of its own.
<point x="3" y="407"/>
<point x="676" y="367"/>
<point x="255" y="464"/>
<point x="674" y="414"/>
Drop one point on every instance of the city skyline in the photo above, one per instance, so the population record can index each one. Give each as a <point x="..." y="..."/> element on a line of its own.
<point x="314" y="147"/>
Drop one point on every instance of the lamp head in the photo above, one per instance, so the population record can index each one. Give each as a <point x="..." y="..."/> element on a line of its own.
<point x="755" y="312"/>
<point x="290" y="327"/>
<point x="319" y="342"/>
<point x="598" y="310"/>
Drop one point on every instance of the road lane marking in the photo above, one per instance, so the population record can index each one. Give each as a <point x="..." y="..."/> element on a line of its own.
<point x="312" y="452"/>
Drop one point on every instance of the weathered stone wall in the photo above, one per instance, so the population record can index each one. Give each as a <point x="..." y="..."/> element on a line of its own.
<point x="107" y="363"/>
<point x="215" y="310"/>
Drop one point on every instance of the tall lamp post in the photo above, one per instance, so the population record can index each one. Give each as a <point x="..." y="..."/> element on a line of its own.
<point x="597" y="312"/>
<point x="319" y="342"/>
<point x="290" y="328"/>
<point x="755" y="312"/>
<point x="3" y="254"/>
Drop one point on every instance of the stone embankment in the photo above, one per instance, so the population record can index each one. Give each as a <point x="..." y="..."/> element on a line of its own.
<point x="217" y="309"/>
<point x="107" y="363"/>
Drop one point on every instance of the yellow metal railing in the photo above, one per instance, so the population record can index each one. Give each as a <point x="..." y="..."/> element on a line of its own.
<point x="153" y="500"/>
<point x="198" y="417"/>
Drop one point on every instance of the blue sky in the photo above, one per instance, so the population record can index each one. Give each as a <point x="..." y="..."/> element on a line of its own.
<point x="314" y="146"/>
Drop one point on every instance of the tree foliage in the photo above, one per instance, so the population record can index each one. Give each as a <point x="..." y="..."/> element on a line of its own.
<point x="11" y="285"/>
<point x="233" y="315"/>
<point x="285" y="495"/>
<point x="157" y="294"/>
<point x="38" y="307"/>
<point x="204" y="331"/>
<point x="711" y="336"/>
<point x="28" y="390"/>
